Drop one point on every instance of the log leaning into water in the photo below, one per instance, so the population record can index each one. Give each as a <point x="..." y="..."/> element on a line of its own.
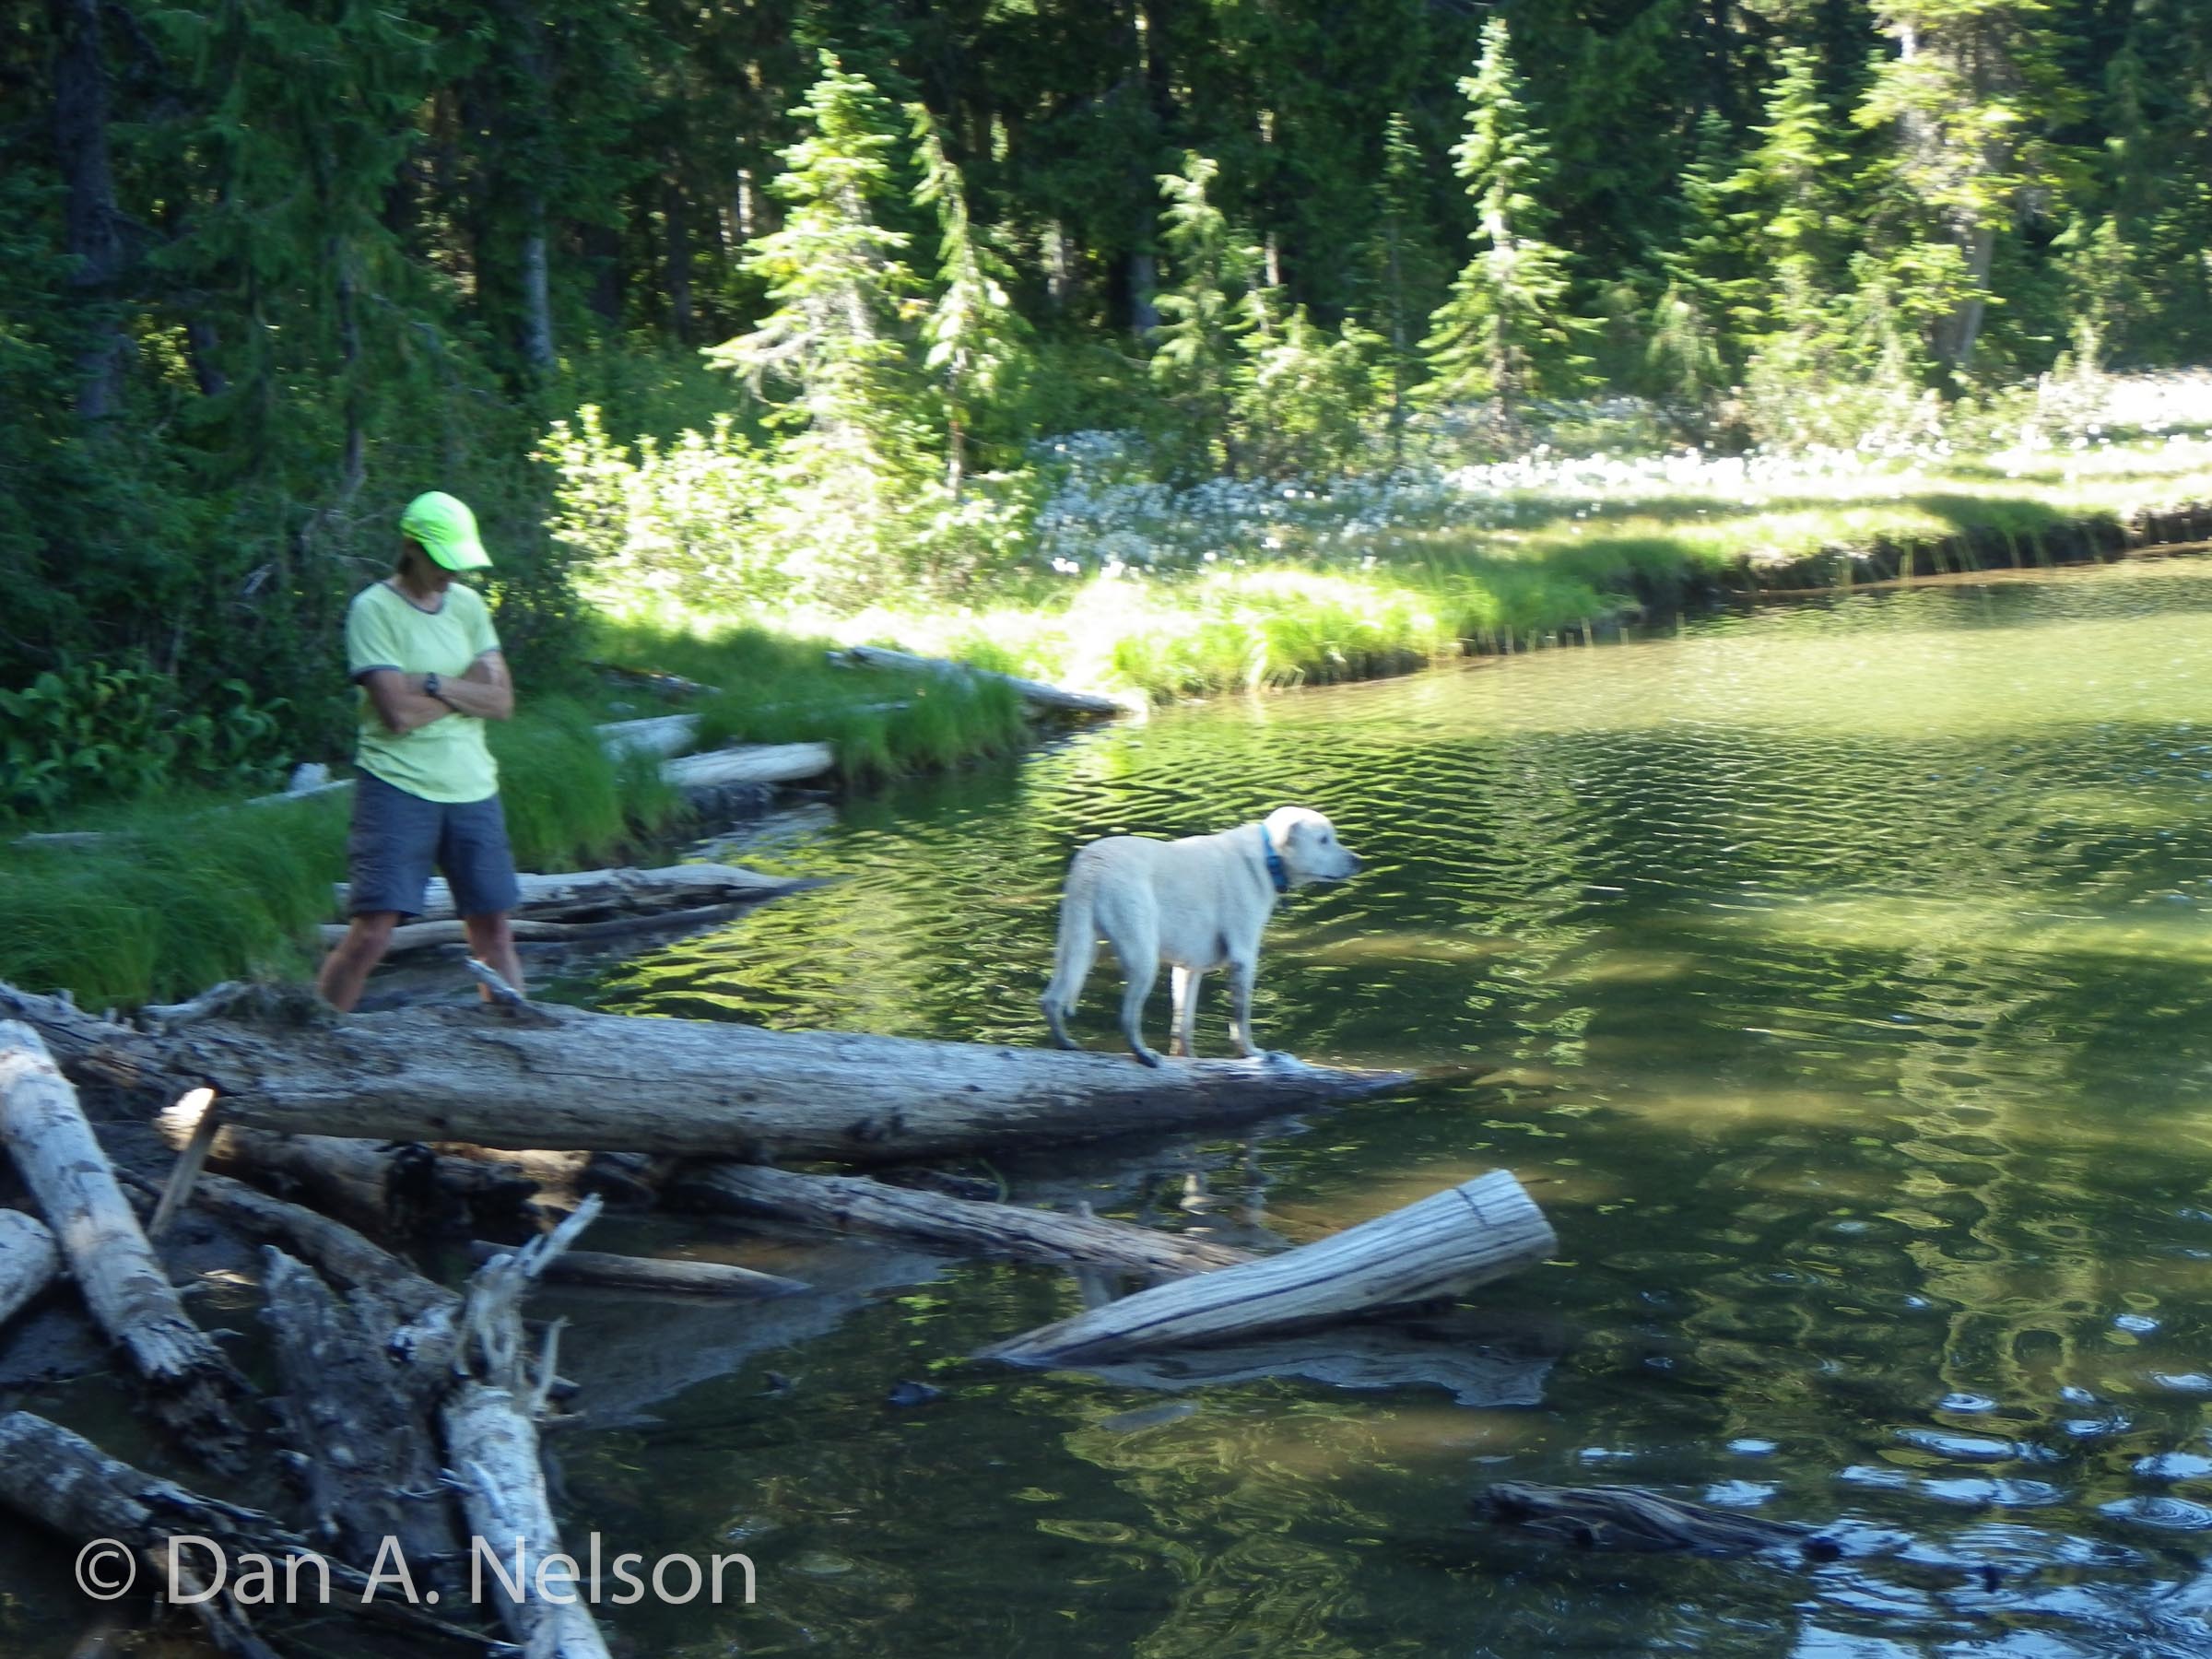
<point x="1448" y="1242"/>
<point x="849" y="1203"/>
<point x="652" y="1274"/>
<point x="30" y="1261"/>
<point x="567" y="1078"/>
<point x="190" y="1385"/>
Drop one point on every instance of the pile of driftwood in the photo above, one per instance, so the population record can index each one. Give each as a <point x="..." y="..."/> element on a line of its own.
<point x="407" y="1411"/>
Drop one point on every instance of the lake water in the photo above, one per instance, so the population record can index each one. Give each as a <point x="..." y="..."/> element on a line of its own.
<point x="1835" y="977"/>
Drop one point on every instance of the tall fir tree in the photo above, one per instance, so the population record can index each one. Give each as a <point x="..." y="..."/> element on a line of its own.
<point x="1403" y="277"/>
<point x="838" y="276"/>
<point x="1193" y="351"/>
<point x="978" y="345"/>
<point x="1968" y="97"/>
<point x="1506" y="333"/>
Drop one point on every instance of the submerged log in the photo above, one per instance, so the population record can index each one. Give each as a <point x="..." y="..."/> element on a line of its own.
<point x="1614" y="1517"/>
<point x="652" y="1274"/>
<point x="190" y="1386"/>
<point x="30" y="1261"/>
<point x="591" y="895"/>
<point x="568" y="1078"/>
<point x="428" y="935"/>
<point x="849" y="1203"/>
<point x="1446" y="1243"/>
<point x="1036" y="692"/>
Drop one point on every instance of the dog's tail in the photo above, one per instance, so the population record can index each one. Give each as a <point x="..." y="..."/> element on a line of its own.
<point x="1074" y="954"/>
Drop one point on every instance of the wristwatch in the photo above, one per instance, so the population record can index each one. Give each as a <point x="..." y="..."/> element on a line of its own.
<point x="430" y="684"/>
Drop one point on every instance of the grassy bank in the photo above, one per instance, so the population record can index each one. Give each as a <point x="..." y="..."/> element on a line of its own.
<point x="1139" y="588"/>
<point x="179" y="892"/>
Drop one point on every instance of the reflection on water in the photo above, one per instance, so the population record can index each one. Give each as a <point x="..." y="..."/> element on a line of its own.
<point x="1835" y="978"/>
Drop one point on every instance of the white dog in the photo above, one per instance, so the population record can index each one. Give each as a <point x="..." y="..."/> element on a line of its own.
<point x="1196" y="904"/>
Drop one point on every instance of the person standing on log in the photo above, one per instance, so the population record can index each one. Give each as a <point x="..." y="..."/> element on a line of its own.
<point x="422" y="650"/>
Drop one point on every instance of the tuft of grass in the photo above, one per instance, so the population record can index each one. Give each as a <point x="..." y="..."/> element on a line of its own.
<point x="568" y="803"/>
<point x="168" y="903"/>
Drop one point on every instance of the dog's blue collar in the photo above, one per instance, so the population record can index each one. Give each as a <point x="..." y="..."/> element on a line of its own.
<point x="1275" y="871"/>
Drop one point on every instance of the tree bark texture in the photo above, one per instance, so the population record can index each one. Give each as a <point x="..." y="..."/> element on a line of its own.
<point x="91" y="225"/>
<point x="30" y="1261"/>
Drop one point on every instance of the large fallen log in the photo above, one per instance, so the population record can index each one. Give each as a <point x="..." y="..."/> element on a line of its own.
<point x="562" y="1077"/>
<point x="29" y="1261"/>
<point x="1036" y="692"/>
<point x="1442" y="1245"/>
<point x="592" y="895"/>
<point x="849" y="1203"/>
<point x="190" y="1386"/>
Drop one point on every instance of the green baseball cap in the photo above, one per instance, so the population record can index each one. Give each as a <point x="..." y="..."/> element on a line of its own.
<point x="447" y="530"/>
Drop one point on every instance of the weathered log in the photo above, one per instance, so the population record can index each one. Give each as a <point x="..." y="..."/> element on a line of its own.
<point x="1446" y="1243"/>
<point x="850" y="1203"/>
<point x="576" y="1079"/>
<point x="1032" y="691"/>
<point x="30" y="1261"/>
<point x="590" y="894"/>
<point x="652" y="1274"/>
<point x="659" y="735"/>
<point x="428" y="935"/>
<point x="489" y="1419"/>
<point x="750" y="763"/>
<point x="399" y="1187"/>
<point x="63" y="1482"/>
<point x="358" y="1418"/>
<point x="190" y="1385"/>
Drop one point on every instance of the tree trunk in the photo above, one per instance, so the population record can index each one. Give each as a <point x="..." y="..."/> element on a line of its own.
<point x="1442" y="1245"/>
<point x="753" y="763"/>
<point x="846" y="1203"/>
<point x="676" y="258"/>
<point x="91" y="226"/>
<point x="190" y="1385"/>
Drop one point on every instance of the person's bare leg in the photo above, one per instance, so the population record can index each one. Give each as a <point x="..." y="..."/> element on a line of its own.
<point x="491" y="941"/>
<point x="347" y="969"/>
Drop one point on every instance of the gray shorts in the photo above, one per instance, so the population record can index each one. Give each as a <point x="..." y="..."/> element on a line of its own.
<point x="398" y="836"/>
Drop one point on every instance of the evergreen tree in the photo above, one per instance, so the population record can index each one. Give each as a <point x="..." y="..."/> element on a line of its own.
<point x="836" y="273"/>
<point x="1403" y="276"/>
<point x="1505" y="332"/>
<point x="1972" y="89"/>
<point x="1193" y="348"/>
<point x="978" y="344"/>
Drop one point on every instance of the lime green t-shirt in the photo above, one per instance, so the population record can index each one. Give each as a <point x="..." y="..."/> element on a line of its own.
<point x="447" y="759"/>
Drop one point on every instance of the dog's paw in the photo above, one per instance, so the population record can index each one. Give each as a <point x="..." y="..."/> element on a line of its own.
<point x="1146" y="1056"/>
